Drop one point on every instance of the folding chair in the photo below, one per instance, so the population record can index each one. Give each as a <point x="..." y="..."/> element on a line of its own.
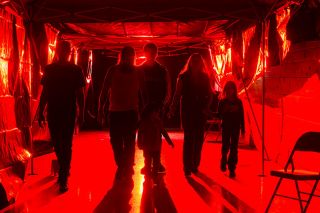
<point x="308" y="142"/>
<point x="214" y="120"/>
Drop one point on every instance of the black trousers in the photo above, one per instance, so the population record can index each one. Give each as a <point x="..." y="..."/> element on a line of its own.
<point x="192" y="147"/>
<point x="151" y="159"/>
<point x="123" y="127"/>
<point x="61" y="131"/>
<point x="230" y="140"/>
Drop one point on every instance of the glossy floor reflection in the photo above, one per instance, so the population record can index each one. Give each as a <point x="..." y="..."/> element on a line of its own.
<point x="93" y="187"/>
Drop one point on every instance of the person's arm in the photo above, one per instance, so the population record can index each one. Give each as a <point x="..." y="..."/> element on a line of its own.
<point x="80" y="102"/>
<point x="220" y="109"/>
<point x="209" y="96"/>
<point x="176" y="97"/>
<point x="242" y="118"/>
<point x="42" y="104"/>
<point x="168" y="90"/>
<point x="43" y="98"/>
<point x="104" y="93"/>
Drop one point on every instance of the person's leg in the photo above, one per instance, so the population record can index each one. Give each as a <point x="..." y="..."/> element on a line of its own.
<point x="225" y="148"/>
<point x="156" y="161"/>
<point x="199" y="139"/>
<point x="66" y="150"/>
<point x="130" y="126"/>
<point x="129" y="153"/>
<point x="147" y="162"/>
<point x="187" y="151"/>
<point x="116" y="138"/>
<point x="233" y="156"/>
<point x="55" y="135"/>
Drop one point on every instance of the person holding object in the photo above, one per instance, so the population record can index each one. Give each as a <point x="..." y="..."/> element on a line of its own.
<point x="194" y="90"/>
<point x="155" y="85"/>
<point x="231" y="112"/>
<point x="150" y="140"/>
<point x="63" y="87"/>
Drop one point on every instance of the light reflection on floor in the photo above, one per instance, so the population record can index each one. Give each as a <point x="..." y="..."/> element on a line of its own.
<point x="93" y="188"/>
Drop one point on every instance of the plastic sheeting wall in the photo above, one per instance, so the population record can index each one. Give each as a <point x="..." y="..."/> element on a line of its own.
<point x="20" y="73"/>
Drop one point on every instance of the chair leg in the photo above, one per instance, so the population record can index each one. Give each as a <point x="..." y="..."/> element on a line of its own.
<point x="299" y="195"/>
<point x="310" y="196"/>
<point x="219" y="133"/>
<point x="273" y="195"/>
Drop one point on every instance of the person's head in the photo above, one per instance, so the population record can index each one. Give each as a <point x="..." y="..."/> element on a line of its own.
<point x="127" y="56"/>
<point x="230" y="90"/>
<point x="63" y="50"/>
<point x="150" y="51"/>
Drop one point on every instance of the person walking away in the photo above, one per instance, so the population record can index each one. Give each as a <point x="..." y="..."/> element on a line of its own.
<point x="232" y="114"/>
<point x="122" y="82"/>
<point x="63" y="84"/>
<point x="155" y="85"/>
<point x="194" y="89"/>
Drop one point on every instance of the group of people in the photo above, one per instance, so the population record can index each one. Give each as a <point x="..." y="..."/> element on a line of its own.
<point x="139" y="98"/>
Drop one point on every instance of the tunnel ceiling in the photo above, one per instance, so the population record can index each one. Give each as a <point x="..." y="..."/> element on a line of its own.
<point x="172" y="24"/>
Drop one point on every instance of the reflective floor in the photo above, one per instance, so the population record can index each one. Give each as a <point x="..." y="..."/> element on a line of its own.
<point x="92" y="186"/>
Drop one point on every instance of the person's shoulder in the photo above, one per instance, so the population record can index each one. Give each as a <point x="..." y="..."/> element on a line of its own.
<point x="74" y="66"/>
<point x="183" y="75"/>
<point x="50" y="66"/>
<point x="204" y="75"/>
<point x="139" y="68"/>
<point x="239" y="100"/>
<point x="113" y="68"/>
<point x="160" y="66"/>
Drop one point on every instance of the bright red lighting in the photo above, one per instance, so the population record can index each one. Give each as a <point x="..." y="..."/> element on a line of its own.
<point x="140" y="59"/>
<point x="144" y="36"/>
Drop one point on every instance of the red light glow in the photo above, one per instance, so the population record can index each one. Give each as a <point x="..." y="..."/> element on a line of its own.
<point x="89" y="68"/>
<point x="283" y="17"/>
<point x="3" y="75"/>
<point x="140" y="60"/>
<point x="221" y="61"/>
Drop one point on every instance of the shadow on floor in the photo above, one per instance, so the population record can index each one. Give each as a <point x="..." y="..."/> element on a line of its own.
<point x="117" y="198"/>
<point x="206" y="195"/>
<point x="232" y="199"/>
<point x="156" y="197"/>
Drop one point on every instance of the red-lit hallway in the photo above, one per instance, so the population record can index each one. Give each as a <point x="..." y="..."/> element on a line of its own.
<point x="93" y="189"/>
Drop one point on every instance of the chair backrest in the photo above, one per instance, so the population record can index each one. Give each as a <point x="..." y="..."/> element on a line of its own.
<point x="308" y="142"/>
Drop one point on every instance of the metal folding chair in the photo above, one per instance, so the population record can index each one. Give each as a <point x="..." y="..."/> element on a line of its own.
<point x="211" y="122"/>
<point x="308" y="142"/>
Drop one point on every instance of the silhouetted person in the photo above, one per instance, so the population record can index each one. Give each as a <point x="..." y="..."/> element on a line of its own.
<point x="150" y="140"/>
<point x="155" y="84"/>
<point x="63" y="84"/>
<point x="194" y="89"/>
<point x="231" y="112"/>
<point x="122" y="81"/>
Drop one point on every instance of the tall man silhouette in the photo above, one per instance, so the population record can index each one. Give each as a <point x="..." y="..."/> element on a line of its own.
<point x="155" y="84"/>
<point x="63" y="84"/>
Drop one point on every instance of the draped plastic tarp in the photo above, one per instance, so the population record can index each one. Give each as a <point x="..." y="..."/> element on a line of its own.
<point x="11" y="79"/>
<point x="14" y="101"/>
